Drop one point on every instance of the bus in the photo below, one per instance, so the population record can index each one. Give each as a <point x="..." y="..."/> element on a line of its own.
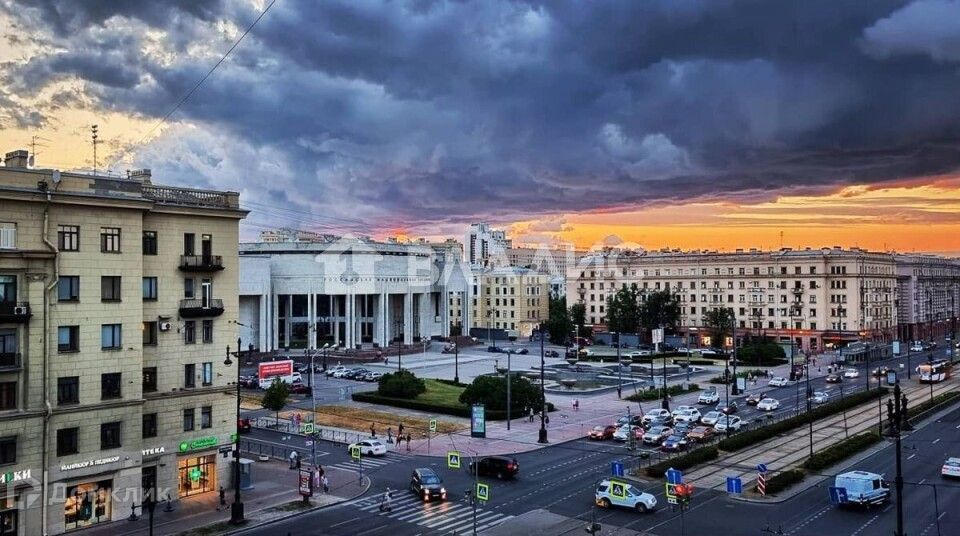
<point x="934" y="371"/>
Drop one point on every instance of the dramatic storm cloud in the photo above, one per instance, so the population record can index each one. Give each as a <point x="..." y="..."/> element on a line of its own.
<point x="425" y="114"/>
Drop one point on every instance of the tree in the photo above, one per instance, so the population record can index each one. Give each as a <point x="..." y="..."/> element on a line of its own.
<point x="276" y="396"/>
<point x="559" y="324"/>
<point x="623" y="310"/>
<point x="660" y="309"/>
<point x="491" y="391"/>
<point x="718" y="321"/>
<point x="401" y="384"/>
<point x="578" y="316"/>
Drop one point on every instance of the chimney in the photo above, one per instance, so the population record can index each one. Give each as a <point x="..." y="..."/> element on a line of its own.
<point x="17" y="159"/>
<point x="142" y="175"/>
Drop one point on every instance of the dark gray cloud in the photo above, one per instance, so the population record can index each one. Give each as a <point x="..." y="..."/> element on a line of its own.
<point x="435" y="112"/>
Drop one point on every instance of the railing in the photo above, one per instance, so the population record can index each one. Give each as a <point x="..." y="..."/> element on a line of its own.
<point x="197" y="307"/>
<point x="9" y="360"/>
<point x="191" y="197"/>
<point x="343" y="437"/>
<point x="201" y="263"/>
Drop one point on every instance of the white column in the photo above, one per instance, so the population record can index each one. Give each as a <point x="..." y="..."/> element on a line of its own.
<point x="387" y="319"/>
<point x="351" y="319"/>
<point x="408" y="318"/>
<point x="265" y="323"/>
<point x="275" y="321"/>
<point x="335" y="314"/>
<point x="445" y="311"/>
<point x="311" y="321"/>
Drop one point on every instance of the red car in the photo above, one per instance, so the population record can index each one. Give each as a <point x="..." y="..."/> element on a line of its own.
<point x="244" y="426"/>
<point x="299" y="389"/>
<point x="601" y="433"/>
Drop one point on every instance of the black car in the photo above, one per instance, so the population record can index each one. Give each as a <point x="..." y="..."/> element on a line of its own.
<point x="501" y="467"/>
<point x="494" y="349"/>
<point x="355" y="374"/>
<point x="551" y="353"/>
<point x="522" y="351"/>
<point x="727" y="409"/>
<point x="426" y="484"/>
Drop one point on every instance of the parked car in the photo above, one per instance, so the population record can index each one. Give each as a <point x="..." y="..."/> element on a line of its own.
<point x="334" y="370"/>
<point x="851" y="373"/>
<point x="373" y="376"/>
<point x="369" y="447"/>
<point x="619" y="493"/>
<point x="244" y="426"/>
<point x="778" y="381"/>
<point x="710" y="396"/>
<point x="502" y="467"/>
<point x="633" y="419"/>
<point x="426" y="484"/>
<point x="551" y="353"/>
<point x="728" y="421"/>
<point x="833" y="378"/>
<point x="680" y="409"/>
<point x="820" y="397"/>
<point x="522" y="351"/>
<point x="601" y="433"/>
<point x="300" y="389"/>
<point x="674" y="443"/>
<point x="708" y="352"/>
<point x="355" y="373"/>
<point x="656" y="434"/>
<point x="495" y="349"/>
<point x="916" y="346"/>
<point x="653" y="414"/>
<point x="250" y="382"/>
<point x="881" y="371"/>
<point x="691" y="415"/>
<point x="639" y="353"/>
<point x="711" y="418"/>
<point x="683" y="428"/>
<point x="449" y="348"/>
<point x="700" y="434"/>
<point x="768" y="404"/>
<point x="340" y="372"/>
<point x="728" y="409"/>
<point x="951" y="468"/>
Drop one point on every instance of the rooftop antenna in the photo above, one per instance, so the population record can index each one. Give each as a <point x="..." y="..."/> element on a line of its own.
<point x="94" y="131"/>
<point x="33" y="148"/>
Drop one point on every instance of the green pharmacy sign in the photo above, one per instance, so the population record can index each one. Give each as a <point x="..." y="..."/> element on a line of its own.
<point x="195" y="474"/>
<point x="197" y="444"/>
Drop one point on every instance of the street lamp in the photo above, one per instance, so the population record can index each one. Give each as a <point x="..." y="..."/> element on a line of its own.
<point x="542" y="437"/>
<point x="456" y="362"/>
<point x="236" y="509"/>
<point x="399" y="345"/>
<point x="619" y="367"/>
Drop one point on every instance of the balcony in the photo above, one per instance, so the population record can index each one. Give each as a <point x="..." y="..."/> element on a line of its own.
<point x="797" y="290"/>
<point x="201" y="263"/>
<point x="17" y="312"/>
<point x="9" y="361"/>
<point x="199" y="308"/>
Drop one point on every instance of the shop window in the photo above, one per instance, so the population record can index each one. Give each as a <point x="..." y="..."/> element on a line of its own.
<point x="110" y="435"/>
<point x="88" y="504"/>
<point x="197" y="475"/>
<point x="67" y="439"/>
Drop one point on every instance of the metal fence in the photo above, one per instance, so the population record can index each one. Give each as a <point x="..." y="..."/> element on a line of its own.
<point x="332" y="435"/>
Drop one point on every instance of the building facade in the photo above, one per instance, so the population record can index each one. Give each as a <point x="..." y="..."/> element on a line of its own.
<point x="814" y="298"/>
<point x="509" y="299"/>
<point x="929" y="294"/>
<point x="116" y="302"/>
<point x="551" y="261"/>
<point x="483" y="242"/>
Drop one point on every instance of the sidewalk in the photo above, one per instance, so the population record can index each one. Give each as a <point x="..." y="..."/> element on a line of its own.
<point x="275" y="488"/>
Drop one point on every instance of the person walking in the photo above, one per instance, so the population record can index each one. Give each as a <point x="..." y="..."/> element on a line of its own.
<point x="530" y="419"/>
<point x="373" y="431"/>
<point x="389" y="435"/>
<point x="223" y="498"/>
<point x="408" y="441"/>
<point x="326" y="483"/>
<point x="293" y="459"/>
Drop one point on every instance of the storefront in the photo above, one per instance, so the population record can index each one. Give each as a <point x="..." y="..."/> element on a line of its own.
<point x="13" y="486"/>
<point x="88" y="504"/>
<point x="197" y="475"/>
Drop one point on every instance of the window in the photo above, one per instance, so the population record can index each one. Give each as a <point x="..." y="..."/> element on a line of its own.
<point x="150" y="379"/>
<point x="110" y="240"/>
<point x="8" y="395"/>
<point x="149" y="288"/>
<point x="8" y="450"/>
<point x="68" y="288"/>
<point x="67" y="441"/>
<point x="110" y="288"/>
<point x="188" y="288"/>
<point x="149" y="242"/>
<point x="188" y="420"/>
<point x="8" y="235"/>
<point x="149" y="333"/>
<point x="110" y="336"/>
<point x="208" y="331"/>
<point x="206" y="417"/>
<point x="189" y="241"/>
<point x="190" y="332"/>
<point x="190" y="375"/>
<point x="149" y="425"/>
<point x="110" y="385"/>
<point x="68" y="338"/>
<point x="109" y="435"/>
<point x="206" y="375"/>
<point x="68" y="390"/>
<point x="68" y="237"/>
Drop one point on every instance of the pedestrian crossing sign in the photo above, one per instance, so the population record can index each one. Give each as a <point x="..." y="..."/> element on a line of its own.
<point x="483" y="491"/>
<point x="453" y="459"/>
<point x="306" y="428"/>
<point x="355" y="453"/>
<point x="618" y="490"/>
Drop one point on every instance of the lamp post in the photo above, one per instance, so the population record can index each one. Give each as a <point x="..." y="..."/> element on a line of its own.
<point x="897" y="417"/>
<point x="399" y="346"/>
<point x="809" y="403"/>
<point x="726" y="383"/>
<point x="733" y="349"/>
<point x="456" y="363"/>
<point x="619" y="368"/>
<point x="236" y="509"/>
<point x="542" y="437"/>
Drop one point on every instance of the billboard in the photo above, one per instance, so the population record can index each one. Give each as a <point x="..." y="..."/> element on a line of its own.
<point x="275" y="368"/>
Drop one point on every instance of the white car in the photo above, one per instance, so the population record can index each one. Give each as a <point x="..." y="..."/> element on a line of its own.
<point x="369" y="447"/>
<point x="612" y="492"/>
<point x="709" y="397"/>
<point x="680" y="409"/>
<point x="768" y="404"/>
<point x="339" y="373"/>
<point x="708" y="351"/>
<point x="333" y="370"/>
<point x="639" y="353"/>
<point x="778" y="381"/>
<point x="951" y="468"/>
<point x="691" y="415"/>
<point x="728" y="421"/>
<point x="820" y="397"/>
<point x="916" y="347"/>
<point x="711" y="418"/>
<point x="656" y="414"/>
<point x="851" y="373"/>
<point x="623" y="433"/>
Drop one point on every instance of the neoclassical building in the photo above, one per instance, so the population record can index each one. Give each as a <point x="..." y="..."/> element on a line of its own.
<point x="346" y="292"/>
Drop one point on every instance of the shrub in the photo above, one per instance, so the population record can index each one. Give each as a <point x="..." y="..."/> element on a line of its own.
<point x="457" y="411"/>
<point x="929" y="404"/>
<point x="657" y="393"/>
<point x="491" y="391"/>
<point x="783" y="480"/>
<point x="840" y="451"/>
<point x="401" y="384"/>
<point x="758" y="352"/>
<point x="756" y="373"/>
<point x="684" y="461"/>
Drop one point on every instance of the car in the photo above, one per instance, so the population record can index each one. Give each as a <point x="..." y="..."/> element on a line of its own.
<point x="551" y="353"/>
<point x="683" y="350"/>
<point x="916" y="346"/>
<point x="502" y="467"/>
<point x="700" y="434"/>
<point x="244" y="426"/>
<point x="369" y="447"/>
<point x="710" y="396"/>
<point x="778" y="381"/>
<point x="333" y="370"/>
<point x="426" y="484"/>
<point x="601" y="433"/>
<point x="728" y="409"/>
<point x="623" y="433"/>
<point x="929" y="345"/>
<point x="711" y="418"/>
<point x="373" y="376"/>
<point x="731" y="422"/>
<point x="656" y="434"/>
<point x="339" y="373"/>
<point x="632" y="419"/>
<point x="754" y="399"/>
<point x="300" y="389"/>
<point x="522" y="351"/>
<point x="833" y="378"/>
<point x="819" y="397"/>
<point x="708" y="351"/>
<point x="881" y="371"/>
<point x="768" y="404"/>
<point x="951" y="468"/>
<point x="683" y="428"/>
<point x="655" y="414"/>
<point x="495" y="349"/>
<point x="355" y="373"/>
<point x="674" y="443"/>
<point x="863" y="488"/>
<point x="639" y="353"/>
<point x="680" y="409"/>
<point x="691" y="415"/>
<point x="611" y="492"/>
<point x="851" y="373"/>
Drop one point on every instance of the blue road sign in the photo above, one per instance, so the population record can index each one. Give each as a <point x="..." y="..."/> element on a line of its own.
<point x="674" y="476"/>
<point x="734" y="484"/>
<point x="838" y="495"/>
<point x="761" y="468"/>
<point x="616" y="468"/>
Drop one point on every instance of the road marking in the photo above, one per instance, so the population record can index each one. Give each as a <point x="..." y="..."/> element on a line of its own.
<point x="910" y="457"/>
<point x="921" y="482"/>
<point x="935" y="441"/>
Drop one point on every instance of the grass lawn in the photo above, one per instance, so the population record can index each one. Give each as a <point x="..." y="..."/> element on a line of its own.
<point x="441" y="394"/>
<point x="359" y="419"/>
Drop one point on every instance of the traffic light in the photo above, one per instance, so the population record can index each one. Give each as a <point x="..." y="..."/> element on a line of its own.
<point x="684" y="493"/>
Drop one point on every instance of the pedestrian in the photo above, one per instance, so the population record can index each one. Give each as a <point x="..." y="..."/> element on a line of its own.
<point x="389" y="435"/>
<point x="326" y="483"/>
<point x="223" y="498"/>
<point x="293" y="459"/>
<point x="400" y="429"/>
<point x="408" y="442"/>
<point x="373" y="431"/>
<point x="531" y="414"/>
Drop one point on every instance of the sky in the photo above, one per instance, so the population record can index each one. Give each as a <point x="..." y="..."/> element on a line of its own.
<point x="666" y="123"/>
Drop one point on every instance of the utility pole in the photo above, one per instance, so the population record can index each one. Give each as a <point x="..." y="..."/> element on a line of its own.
<point x="733" y="351"/>
<point x="897" y="418"/>
<point x="399" y="347"/>
<point x="542" y="437"/>
<point x="809" y="405"/>
<point x="619" y="369"/>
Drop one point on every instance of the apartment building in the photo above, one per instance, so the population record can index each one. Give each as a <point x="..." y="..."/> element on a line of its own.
<point x="508" y="299"/>
<point x="818" y="298"/>
<point x="118" y="298"/>
<point x="551" y="261"/>
<point x="483" y="242"/>
<point x="929" y="295"/>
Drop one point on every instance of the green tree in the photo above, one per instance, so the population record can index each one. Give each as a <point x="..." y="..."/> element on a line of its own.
<point x="401" y="384"/>
<point x="559" y="324"/>
<point x="275" y="398"/>
<point x="660" y="309"/>
<point x="491" y="391"/>
<point x="623" y="310"/>
<point x="578" y="317"/>
<point x="718" y="321"/>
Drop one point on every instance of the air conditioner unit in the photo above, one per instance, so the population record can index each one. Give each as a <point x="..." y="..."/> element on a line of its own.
<point x="164" y="326"/>
<point x="21" y="310"/>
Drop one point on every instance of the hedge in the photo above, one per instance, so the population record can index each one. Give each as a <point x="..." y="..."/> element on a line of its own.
<point x="840" y="451"/>
<point x="782" y="480"/>
<point x="648" y="395"/>
<point x="704" y="362"/>
<point x="763" y="433"/>
<point x="684" y="461"/>
<point x="456" y="411"/>
<point x="924" y="407"/>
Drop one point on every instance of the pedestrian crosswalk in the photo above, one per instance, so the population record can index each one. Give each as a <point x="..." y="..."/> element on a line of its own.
<point x="448" y="517"/>
<point x="370" y="462"/>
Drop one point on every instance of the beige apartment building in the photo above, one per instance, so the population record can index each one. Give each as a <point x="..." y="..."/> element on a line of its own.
<point x="551" y="261"/>
<point x="508" y="299"/>
<point x="816" y="298"/>
<point x="118" y="299"/>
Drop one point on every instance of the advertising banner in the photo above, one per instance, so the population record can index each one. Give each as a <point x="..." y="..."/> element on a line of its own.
<point x="275" y="368"/>
<point x="478" y="421"/>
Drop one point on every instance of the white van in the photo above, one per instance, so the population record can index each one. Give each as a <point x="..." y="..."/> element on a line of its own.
<point x="863" y="488"/>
